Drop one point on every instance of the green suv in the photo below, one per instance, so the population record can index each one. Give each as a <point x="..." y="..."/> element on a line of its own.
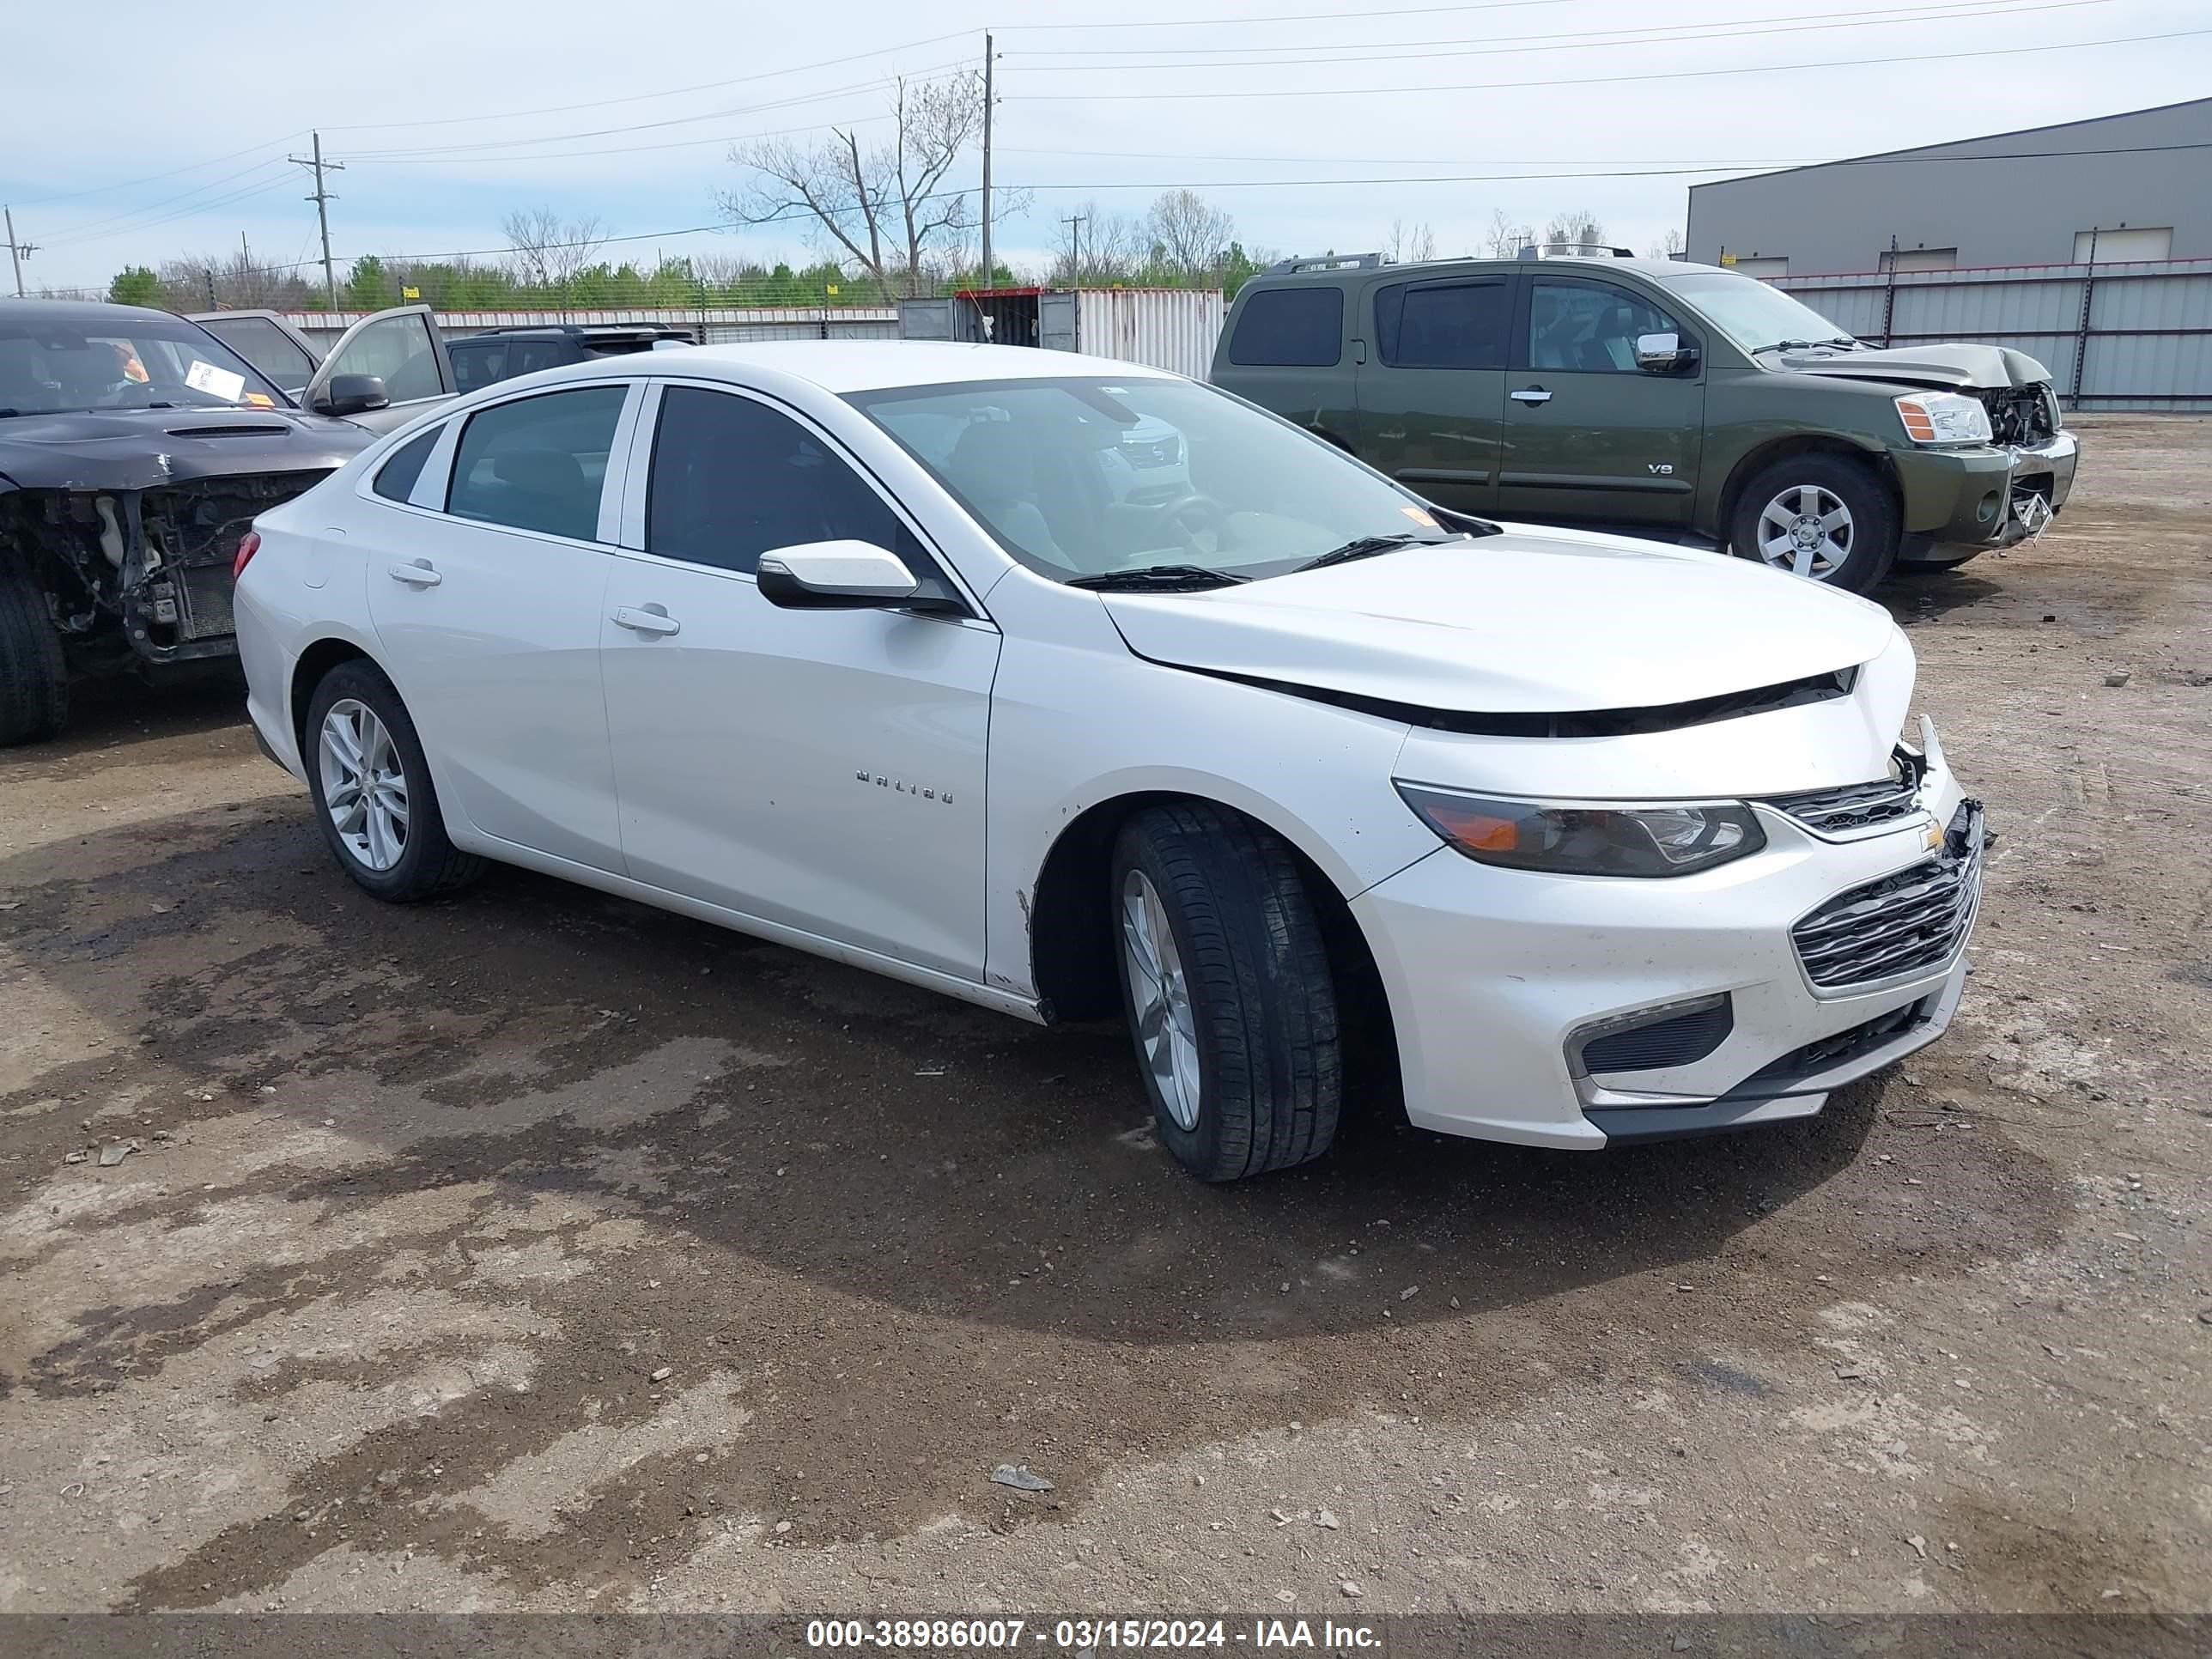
<point x="1660" y="398"/>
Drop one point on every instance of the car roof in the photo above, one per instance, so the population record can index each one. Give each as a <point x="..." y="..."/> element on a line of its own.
<point x="1580" y="263"/>
<point x="82" y="310"/>
<point x="842" y="366"/>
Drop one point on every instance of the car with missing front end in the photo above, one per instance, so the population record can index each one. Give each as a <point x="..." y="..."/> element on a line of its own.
<point x="1332" y="797"/>
<point x="135" y="450"/>
<point x="1661" y="399"/>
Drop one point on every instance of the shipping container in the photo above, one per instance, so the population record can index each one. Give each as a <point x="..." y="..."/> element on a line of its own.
<point x="1170" y="328"/>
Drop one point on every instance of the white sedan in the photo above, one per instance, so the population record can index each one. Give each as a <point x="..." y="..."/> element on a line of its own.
<point x="868" y="649"/>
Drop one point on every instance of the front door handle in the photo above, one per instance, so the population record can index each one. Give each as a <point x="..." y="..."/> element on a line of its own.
<point x="646" y="619"/>
<point x="418" y="575"/>
<point x="1530" y="394"/>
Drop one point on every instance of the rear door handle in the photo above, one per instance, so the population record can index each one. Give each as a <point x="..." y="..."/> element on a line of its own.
<point x="418" y="575"/>
<point x="646" y="619"/>
<point x="1533" y="394"/>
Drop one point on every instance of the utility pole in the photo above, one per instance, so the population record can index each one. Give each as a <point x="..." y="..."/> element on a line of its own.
<point x="17" y="251"/>
<point x="986" y="280"/>
<point x="322" y="198"/>
<point x="1075" y="221"/>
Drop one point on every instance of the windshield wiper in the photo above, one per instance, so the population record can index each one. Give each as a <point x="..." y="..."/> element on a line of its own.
<point x="1156" y="578"/>
<point x="1363" y="547"/>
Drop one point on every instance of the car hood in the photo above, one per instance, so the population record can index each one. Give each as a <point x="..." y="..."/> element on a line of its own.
<point x="1530" y="622"/>
<point x="1939" y="368"/>
<point x="146" y="449"/>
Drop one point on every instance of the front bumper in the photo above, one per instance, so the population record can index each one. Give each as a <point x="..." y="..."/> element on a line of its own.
<point x="1495" y="975"/>
<point x="1985" y="497"/>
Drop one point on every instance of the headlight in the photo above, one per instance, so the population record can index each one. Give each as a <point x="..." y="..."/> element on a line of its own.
<point x="1595" y="840"/>
<point x="1943" y="418"/>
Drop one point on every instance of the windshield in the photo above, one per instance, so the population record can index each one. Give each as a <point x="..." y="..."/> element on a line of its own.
<point x="149" y="362"/>
<point x="1083" y="478"/>
<point x="1750" y="313"/>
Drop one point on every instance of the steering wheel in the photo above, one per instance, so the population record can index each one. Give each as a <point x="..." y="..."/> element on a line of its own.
<point x="1189" y="513"/>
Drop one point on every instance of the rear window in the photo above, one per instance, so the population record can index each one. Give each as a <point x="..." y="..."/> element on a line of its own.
<point x="1289" y="328"/>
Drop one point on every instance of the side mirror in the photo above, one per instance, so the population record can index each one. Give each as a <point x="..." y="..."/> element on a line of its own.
<point x="835" y="576"/>
<point x="353" y="394"/>
<point x="1662" y="354"/>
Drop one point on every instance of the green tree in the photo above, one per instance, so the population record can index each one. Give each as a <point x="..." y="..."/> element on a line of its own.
<point x="368" y="287"/>
<point x="135" y="285"/>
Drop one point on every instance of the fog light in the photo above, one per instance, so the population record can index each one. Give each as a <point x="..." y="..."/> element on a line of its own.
<point x="1988" y="510"/>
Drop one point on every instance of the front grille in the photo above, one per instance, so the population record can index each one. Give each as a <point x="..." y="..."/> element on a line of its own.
<point x="1857" y="806"/>
<point x="1682" y="1041"/>
<point x="1905" y="922"/>
<point x="1825" y="1054"/>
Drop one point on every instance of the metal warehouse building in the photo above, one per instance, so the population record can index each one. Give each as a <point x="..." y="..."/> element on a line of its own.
<point x="2138" y="185"/>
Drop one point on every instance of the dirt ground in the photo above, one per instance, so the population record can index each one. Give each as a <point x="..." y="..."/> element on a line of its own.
<point x="536" y="1250"/>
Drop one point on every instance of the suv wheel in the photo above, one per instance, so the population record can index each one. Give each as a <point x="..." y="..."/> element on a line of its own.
<point x="1825" y="517"/>
<point x="374" y="797"/>
<point x="1226" y="985"/>
<point x="34" y="678"/>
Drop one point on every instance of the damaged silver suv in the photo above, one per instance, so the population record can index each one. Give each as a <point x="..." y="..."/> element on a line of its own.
<point x="135" y="450"/>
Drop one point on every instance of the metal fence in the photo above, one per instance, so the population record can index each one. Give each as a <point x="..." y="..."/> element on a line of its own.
<point x="715" y="324"/>
<point x="2136" y="336"/>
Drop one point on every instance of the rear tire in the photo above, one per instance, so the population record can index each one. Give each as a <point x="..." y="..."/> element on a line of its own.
<point x="385" y="830"/>
<point x="34" y="676"/>
<point x="1227" y="986"/>
<point x="1839" y="499"/>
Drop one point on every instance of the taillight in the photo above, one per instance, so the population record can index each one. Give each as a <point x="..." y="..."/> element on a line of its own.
<point x="248" y="545"/>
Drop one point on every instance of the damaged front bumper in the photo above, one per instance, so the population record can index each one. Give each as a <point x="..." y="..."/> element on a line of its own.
<point x="1983" y="497"/>
<point x="150" y="566"/>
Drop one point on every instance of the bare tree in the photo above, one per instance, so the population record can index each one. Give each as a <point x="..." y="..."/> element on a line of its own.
<point x="548" y="249"/>
<point x="1504" y="238"/>
<point x="1574" y="230"/>
<point x="1668" y="247"/>
<point x="1097" y="244"/>
<point x="1409" y="246"/>
<point x="886" y="208"/>
<point x="1188" y="236"/>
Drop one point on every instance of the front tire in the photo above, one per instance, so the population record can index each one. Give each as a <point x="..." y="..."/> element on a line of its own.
<point x="33" y="676"/>
<point x="374" y="797"/>
<point x="1227" y="986"/>
<point x="1826" y="517"/>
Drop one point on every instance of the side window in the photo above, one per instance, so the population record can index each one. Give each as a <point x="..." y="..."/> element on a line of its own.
<point x="397" y="478"/>
<point x="478" y="366"/>
<point x="733" y="479"/>
<point x="397" y="350"/>
<point x="1443" y="325"/>
<point x="266" y="346"/>
<point x="1587" y="326"/>
<point x="538" y="463"/>
<point x="528" y="357"/>
<point x="1291" y="328"/>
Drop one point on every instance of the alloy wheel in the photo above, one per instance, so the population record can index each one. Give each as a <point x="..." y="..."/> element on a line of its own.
<point x="1166" y="1028"/>
<point x="364" y="785"/>
<point x="1807" y="532"/>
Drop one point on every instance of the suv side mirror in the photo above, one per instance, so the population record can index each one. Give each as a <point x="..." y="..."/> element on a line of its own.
<point x="353" y="394"/>
<point x="845" y="575"/>
<point x="1662" y="354"/>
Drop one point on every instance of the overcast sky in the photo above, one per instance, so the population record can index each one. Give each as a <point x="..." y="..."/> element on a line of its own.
<point x="113" y="153"/>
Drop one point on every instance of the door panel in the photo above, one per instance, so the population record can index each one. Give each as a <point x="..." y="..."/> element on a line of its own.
<point x="1431" y="394"/>
<point x="821" y="769"/>
<point x="490" y="624"/>
<point x="1588" y="435"/>
<point x="401" y="347"/>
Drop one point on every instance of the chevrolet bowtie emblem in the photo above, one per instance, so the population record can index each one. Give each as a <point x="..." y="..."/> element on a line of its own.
<point x="1933" y="837"/>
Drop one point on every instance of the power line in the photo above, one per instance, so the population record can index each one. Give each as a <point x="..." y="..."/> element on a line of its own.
<point x="1402" y="90"/>
<point x="155" y="178"/>
<point x="643" y="97"/>
<point x="321" y="198"/>
<point x="1424" y="49"/>
<point x="1291" y="17"/>
<point x="134" y="218"/>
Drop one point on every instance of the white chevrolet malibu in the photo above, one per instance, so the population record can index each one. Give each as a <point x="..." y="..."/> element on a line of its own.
<point x="876" y="650"/>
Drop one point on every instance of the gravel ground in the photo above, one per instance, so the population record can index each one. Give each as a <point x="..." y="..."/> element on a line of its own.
<point x="536" y="1250"/>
